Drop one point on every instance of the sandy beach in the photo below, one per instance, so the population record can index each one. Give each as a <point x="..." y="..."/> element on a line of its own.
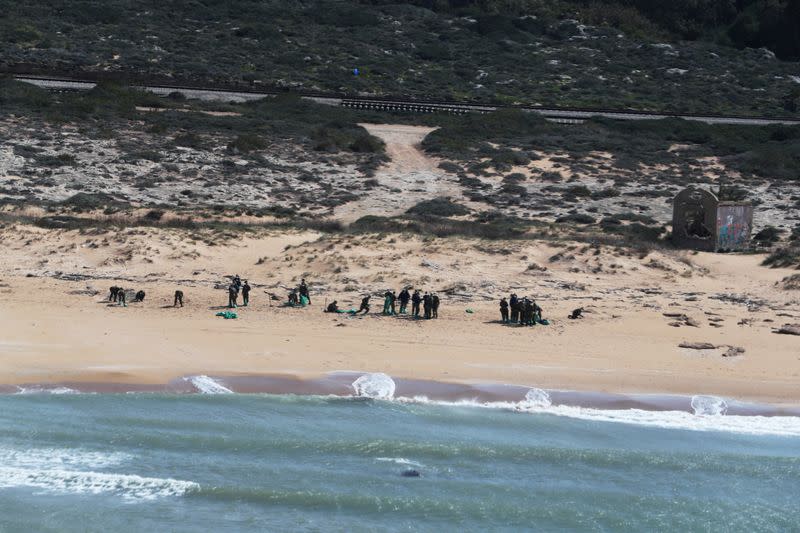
<point x="56" y="325"/>
<point x="644" y="306"/>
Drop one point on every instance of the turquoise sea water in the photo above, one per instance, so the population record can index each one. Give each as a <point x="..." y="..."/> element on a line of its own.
<point x="151" y="462"/>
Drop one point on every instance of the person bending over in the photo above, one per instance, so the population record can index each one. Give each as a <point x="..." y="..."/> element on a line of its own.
<point x="364" y="305"/>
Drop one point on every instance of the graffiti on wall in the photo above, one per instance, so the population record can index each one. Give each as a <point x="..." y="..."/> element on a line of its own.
<point x="734" y="223"/>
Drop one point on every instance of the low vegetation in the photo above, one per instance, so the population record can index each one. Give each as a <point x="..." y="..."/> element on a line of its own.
<point x="771" y="152"/>
<point x="702" y="56"/>
<point x="784" y="257"/>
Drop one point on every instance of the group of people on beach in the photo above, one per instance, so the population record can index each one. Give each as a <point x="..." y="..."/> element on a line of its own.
<point x="513" y="310"/>
<point x="523" y="311"/>
<point x="119" y="296"/>
<point x="234" y="288"/>
<point x="427" y="303"/>
<point x="299" y="296"/>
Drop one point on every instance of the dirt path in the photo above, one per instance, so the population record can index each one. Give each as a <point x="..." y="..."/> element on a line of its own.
<point x="407" y="179"/>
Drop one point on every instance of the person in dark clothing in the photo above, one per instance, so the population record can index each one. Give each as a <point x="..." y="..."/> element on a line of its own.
<point x="537" y="313"/>
<point x="245" y="293"/>
<point x="333" y="307"/>
<point x="504" y="310"/>
<point x="416" y="299"/>
<point x="112" y="297"/>
<point x="233" y="294"/>
<point x="434" y="306"/>
<point x="387" y="303"/>
<point x="178" y="299"/>
<point x="529" y="312"/>
<point x="237" y="281"/>
<point x="514" y="305"/>
<point x="304" y="290"/>
<point x="122" y="297"/>
<point x="404" y="298"/>
<point x="364" y="305"/>
<point x="576" y="313"/>
<point x="426" y="305"/>
<point x="139" y="297"/>
<point x="525" y="311"/>
<point x="393" y="301"/>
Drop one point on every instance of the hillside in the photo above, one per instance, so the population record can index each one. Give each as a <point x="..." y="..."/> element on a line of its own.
<point x="115" y="156"/>
<point x="692" y="58"/>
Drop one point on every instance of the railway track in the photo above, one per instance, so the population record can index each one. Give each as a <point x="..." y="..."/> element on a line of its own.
<point x="562" y="115"/>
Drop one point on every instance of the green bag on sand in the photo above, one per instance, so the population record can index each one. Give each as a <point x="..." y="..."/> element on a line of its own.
<point x="470" y="311"/>
<point x="227" y="314"/>
<point x="303" y="301"/>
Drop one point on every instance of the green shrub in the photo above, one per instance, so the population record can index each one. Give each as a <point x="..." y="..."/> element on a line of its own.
<point x="577" y="218"/>
<point x="246" y="143"/>
<point x="784" y="257"/>
<point x="154" y="215"/>
<point x="443" y="207"/>
<point x="58" y="160"/>
<point x="767" y="236"/>
<point x="339" y="136"/>
<point x="90" y="201"/>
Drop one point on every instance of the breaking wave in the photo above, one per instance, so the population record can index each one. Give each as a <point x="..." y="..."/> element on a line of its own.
<point x="207" y="385"/>
<point x="709" y="405"/>
<point x="399" y="461"/>
<point x="129" y="487"/>
<point x="60" y="458"/>
<point x="536" y="398"/>
<point x="377" y="385"/>
<point x="750" y="425"/>
<point x="40" y="390"/>
<point x="71" y="471"/>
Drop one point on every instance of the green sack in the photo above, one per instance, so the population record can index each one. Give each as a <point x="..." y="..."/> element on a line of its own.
<point x="470" y="311"/>
<point x="227" y="314"/>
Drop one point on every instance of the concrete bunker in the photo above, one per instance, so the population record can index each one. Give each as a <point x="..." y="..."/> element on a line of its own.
<point x="702" y="222"/>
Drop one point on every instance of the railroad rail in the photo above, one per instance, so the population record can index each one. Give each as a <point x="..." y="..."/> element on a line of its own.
<point x="562" y="115"/>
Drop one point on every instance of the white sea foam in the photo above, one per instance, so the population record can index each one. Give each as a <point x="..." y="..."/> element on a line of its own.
<point x="751" y="425"/>
<point x="400" y="461"/>
<point x="536" y="398"/>
<point x="40" y="390"/>
<point x="377" y="385"/>
<point x="72" y="471"/>
<point x="709" y="405"/>
<point x="128" y="486"/>
<point x="60" y="458"/>
<point x="207" y="385"/>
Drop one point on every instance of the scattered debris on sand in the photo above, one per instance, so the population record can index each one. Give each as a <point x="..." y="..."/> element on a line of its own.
<point x="789" y="329"/>
<point x="731" y="351"/>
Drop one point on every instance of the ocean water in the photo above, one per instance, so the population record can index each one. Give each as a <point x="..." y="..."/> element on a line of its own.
<point x="254" y="462"/>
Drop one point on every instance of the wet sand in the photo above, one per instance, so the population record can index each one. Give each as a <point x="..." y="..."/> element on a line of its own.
<point x="419" y="390"/>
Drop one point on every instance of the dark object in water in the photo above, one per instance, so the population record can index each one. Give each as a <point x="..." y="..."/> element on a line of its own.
<point x="410" y="473"/>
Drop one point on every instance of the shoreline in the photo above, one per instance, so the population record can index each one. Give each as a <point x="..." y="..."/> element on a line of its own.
<point x="340" y="384"/>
